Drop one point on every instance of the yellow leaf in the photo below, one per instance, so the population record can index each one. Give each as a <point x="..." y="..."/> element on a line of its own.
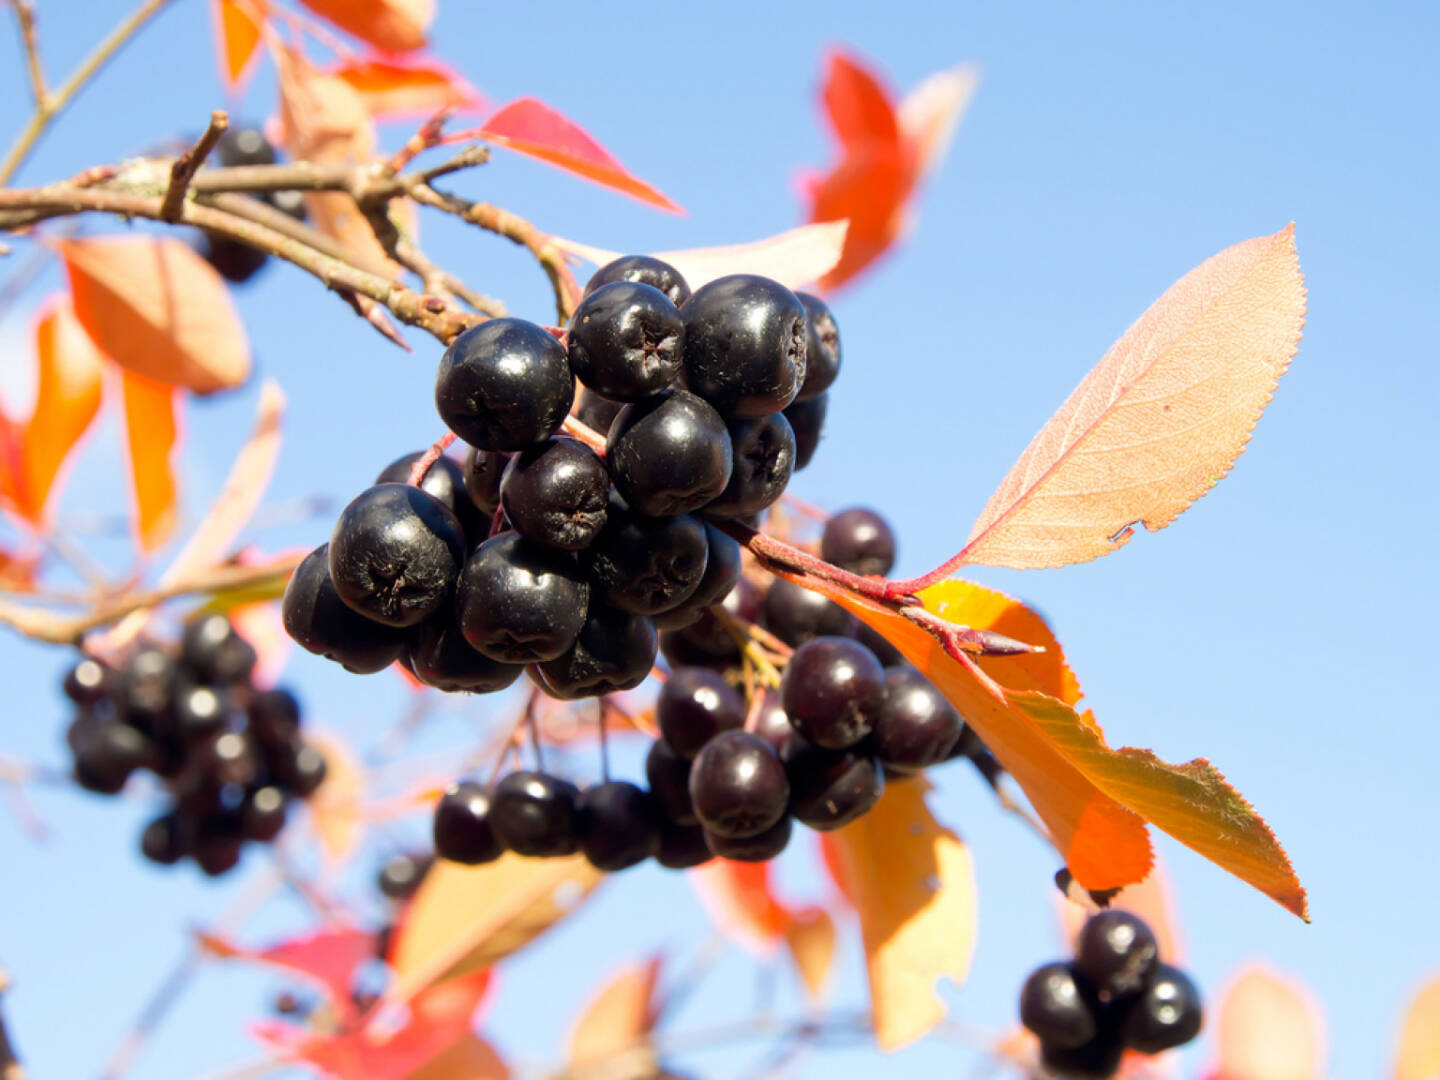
<point x="465" y="918"/>
<point x="1419" y="1054"/>
<point x="394" y="26"/>
<point x="335" y="806"/>
<point x="616" y="1021"/>
<point x="913" y="887"/>
<point x="151" y="432"/>
<point x="1158" y="421"/>
<point x="810" y="936"/>
<point x="159" y="310"/>
<point x="1269" y="1029"/>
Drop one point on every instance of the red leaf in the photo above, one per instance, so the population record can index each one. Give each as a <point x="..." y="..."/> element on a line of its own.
<point x="739" y="897"/>
<point x="394" y="89"/>
<point x="528" y="126"/>
<point x="327" y="957"/>
<point x="151" y="433"/>
<point x="237" y="29"/>
<point x="859" y="108"/>
<point x="871" y="189"/>
<point x="390" y="25"/>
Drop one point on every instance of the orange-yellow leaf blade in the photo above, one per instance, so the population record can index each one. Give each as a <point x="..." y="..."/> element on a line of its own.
<point x="1159" y="420"/>
<point x="390" y="25"/>
<point x="1419" y="1053"/>
<point x="67" y="397"/>
<point x="913" y="887"/>
<point x="810" y="937"/>
<point x="740" y="898"/>
<point x="1268" y="1028"/>
<point x="617" y="1020"/>
<point x="393" y="88"/>
<point x="472" y="1058"/>
<point x="237" y="24"/>
<point x="156" y="308"/>
<point x="335" y="807"/>
<point x="151" y="433"/>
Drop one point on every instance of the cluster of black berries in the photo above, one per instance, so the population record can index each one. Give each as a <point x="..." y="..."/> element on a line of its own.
<point x="725" y="778"/>
<point x="233" y="260"/>
<point x="1115" y="995"/>
<point x="230" y="754"/>
<point x="538" y="554"/>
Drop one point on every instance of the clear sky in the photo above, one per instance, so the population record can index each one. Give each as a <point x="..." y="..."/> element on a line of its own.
<point x="1277" y="628"/>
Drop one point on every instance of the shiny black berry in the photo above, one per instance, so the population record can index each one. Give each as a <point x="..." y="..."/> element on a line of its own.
<point x="833" y="691"/>
<point x="711" y="634"/>
<point x="445" y="479"/>
<point x="244" y="146"/>
<point x="534" y="814"/>
<point x="807" y="420"/>
<point x="917" y="727"/>
<point x="395" y="554"/>
<point x="796" y="615"/>
<point x="830" y="788"/>
<point x="402" y="874"/>
<point x="596" y="412"/>
<point x="682" y="847"/>
<point x="200" y="711"/>
<point x="274" y="716"/>
<point x="744" y="345"/>
<point x="89" y="681"/>
<point x="146" y="686"/>
<point x="614" y="651"/>
<point x="262" y="814"/>
<point x="656" y="273"/>
<point x="106" y="760"/>
<point x="218" y="844"/>
<point x="1116" y="951"/>
<point x="164" y="840"/>
<point x="773" y="724"/>
<point x="504" y="385"/>
<point x="441" y="657"/>
<point x="759" y="848"/>
<point x="1166" y="1014"/>
<point x="822" y="348"/>
<point x="555" y="493"/>
<point x="887" y="654"/>
<point x="669" y="454"/>
<point x="859" y="540"/>
<point x="1096" y="1059"/>
<point x="521" y="602"/>
<point x="301" y="768"/>
<point x="626" y="341"/>
<point x="320" y="622"/>
<point x="212" y="650"/>
<point x="463" y="831"/>
<point x="738" y="785"/>
<point x="722" y="572"/>
<point x="236" y="262"/>
<point x="483" y="470"/>
<point x="764" y="459"/>
<point x="646" y="565"/>
<point x="1059" y="1006"/>
<point x="694" y="706"/>
<point x="619" y="825"/>
<point x="668" y="776"/>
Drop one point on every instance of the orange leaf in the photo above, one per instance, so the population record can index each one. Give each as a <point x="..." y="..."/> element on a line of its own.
<point x="237" y="26"/>
<point x="465" y="918"/>
<point x="335" y="806"/>
<point x="472" y="1058"/>
<point x="392" y="88"/>
<point x="158" y="309"/>
<point x="870" y="189"/>
<point x="11" y="436"/>
<point x="151" y="432"/>
<point x="741" y="901"/>
<point x="531" y="127"/>
<point x="810" y="936"/>
<point x="616" y="1021"/>
<point x="329" y="958"/>
<point x="912" y="884"/>
<point x="1159" y="420"/>
<point x="67" y="397"/>
<point x="390" y="25"/>
<point x="858" y="107"/>
<point x="1419" y="1053"/>
<point x="1269" y="1029"/>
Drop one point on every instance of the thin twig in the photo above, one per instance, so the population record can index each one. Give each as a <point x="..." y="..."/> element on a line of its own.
<point x="422" y="465"/>
<point x="25" y="15"/>
<point x="188" y="163"/>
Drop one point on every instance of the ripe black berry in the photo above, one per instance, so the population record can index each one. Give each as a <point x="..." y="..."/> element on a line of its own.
<point x="163" y="840"/>
<point x="504" y="385"/>
<point x="694" y="706"/>
<point x="110" y="755"/>
<point x="441" y="657"/>
<point x="262" y="815"/>
<point x="738" y="785"/>
<point x="236" y="262"/>
<point x="682" y="846"/>
<point x="596" y="412"/>
<point x="764" y="458"/>
<point x="1116" y="951"/>
<point x="483" y="470"/>
<point x="711" y="635"/>
<point x="401" y="875"/>
<point x="88" y="681"/>
<point x="916" y="727"/>
<point x="320" y="622"/>
<point x="859" y="540"/>
<point x="669" y="454"/>
<point x="830" y="788"/>
<point x="445" y="479"/>
<point x="619" y="825"/>
<point x="626" y="341"/>
<point x="650" y="271"/>
<point x="212" y="650"/>
<point x="301" y="768"/>
<point x="722" y="572"/>
<point x="1059" y="1006"/>
<point x="555" y="493"/>
<point x="761" y="848"/>
<point x="395" y="554"/>
<point x="887" y="654"/>
<point x="773" y="725"/>
<point x="534" y="814"/>
<point x="520" y="602"/>
<point x="1096" y="1059"/>
<point x="807" y="419"/>
<point x="1167" y="1013"/>
<point x="796" y="615"/>
<point x="145" y="687"/>
<point x="274" y="716"/>
<point x="217" y="844"/>
<point x="646" y="565"/>
<point x="614" y="651"/>
<point x="200" y="711"/>
<point x="244" y="146"/>
<point x="833" y="691"/>
<point x="822" y="348"/>
<point x="744" y="345"/>
<point x="462" y="829"/>
<point x="668" y="775"/>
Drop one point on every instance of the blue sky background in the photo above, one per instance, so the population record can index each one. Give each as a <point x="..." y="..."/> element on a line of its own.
<point x="1279" y="628"/>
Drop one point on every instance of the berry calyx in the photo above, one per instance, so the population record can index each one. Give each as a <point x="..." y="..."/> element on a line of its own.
<point x="504" y="385"/>
<point x="555" y="493"/>
<point x="626" y="341"/>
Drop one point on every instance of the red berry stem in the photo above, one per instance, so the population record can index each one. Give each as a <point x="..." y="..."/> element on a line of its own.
<point x="587" y="435"/>
<point x="427" y="459"/>
<point x="604" y="739"/>
<point x="773" y="552"/>
<point x="976" y="642"/>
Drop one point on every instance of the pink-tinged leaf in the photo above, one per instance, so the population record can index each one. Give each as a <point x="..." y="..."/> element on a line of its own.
<point x="237" y="29"/>
<point x="1159" y="420"/>
<point x="1268" y="1028"/>
<point x="439" y="1018"/>
<point x="794" y="258"/>
<point x="156" y="308"/>
<point x="531" y="127"/>
<point x="327" y="958"/>
<point x="931" y="112"/>
<point x="67" y="398"/>
<point x="394" y="26"/>
<point x="740" y="898"/>
<point x="858" y="106"/>
<point x="611" y="1034"/>
<point x="1418" y="1056"/>
<point x="152" y="431"/>
<point x="394" y="88"/>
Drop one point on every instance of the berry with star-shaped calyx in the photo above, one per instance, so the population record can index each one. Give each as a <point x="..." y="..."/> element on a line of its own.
<point x="504" y="384"/>
<point x="626" y="341"/>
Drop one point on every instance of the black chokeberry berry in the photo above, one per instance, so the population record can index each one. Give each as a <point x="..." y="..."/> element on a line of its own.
<point x="738" y="785"/>
<point x="830" y="788"/>
<point x="217" y="844"/>
<point x="244" y="146"/>
<point x="504" y="385"/>
<point x="744" y="345"/>
<point x="1116" y="951"/>
<point x="833" y="690"/>
<point x="669" y="454"/>
<point x="200" y="711"/>
<point x="760" y="848"/>
<point x="722" y="571"/>
<point x="274" y="716"/>
<point x="108" y="757"/>
<point x="320" y="622"/>
<point x="1059" y="1007"/>
<point x="682" y="847"/>
<point x="214" y="652"/>
<point x="164" y="840"/>
<point x="694" y="706"/>
<point x="917" y="727"/>
<point x="645" y="565"/>
<point x="668" y="775"/>
<point x="555" y="493"/>
<point x="796" y="615"/>
<point x="711" y="633"/>
<point x="859" y="540"/>
<point x="301" y="768"/>
<point x="402" y="874"/>
<point x="463" y="830"/>
<point x="807" y="420"/>
<point x="886" y="653"/>
<point x="88" y="682"/>
<point x="534" y="814"/>
<point x="483" y="470"/>
<point x="822" y="347"/>
<point x="146" y="684"/>
<point x="626" y="341"/>
<point x="1095" y="1060"/>
<point x="614" y="651"/>
<point x="441" y="657"/>
<point x="445" y="479"/>
<point x="395" y="554"/>
<point x="764" y="459"/>
<point x="773" y="724"/>
<point x="596" y="412"/>
<point x="645" y="269"/>
<point x="233" y="260"/>
<point x="262" y="815"/>
<point x="1166" y="1014"/>
<point x="521" y="602"/>
<point x="619" y="825"/>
